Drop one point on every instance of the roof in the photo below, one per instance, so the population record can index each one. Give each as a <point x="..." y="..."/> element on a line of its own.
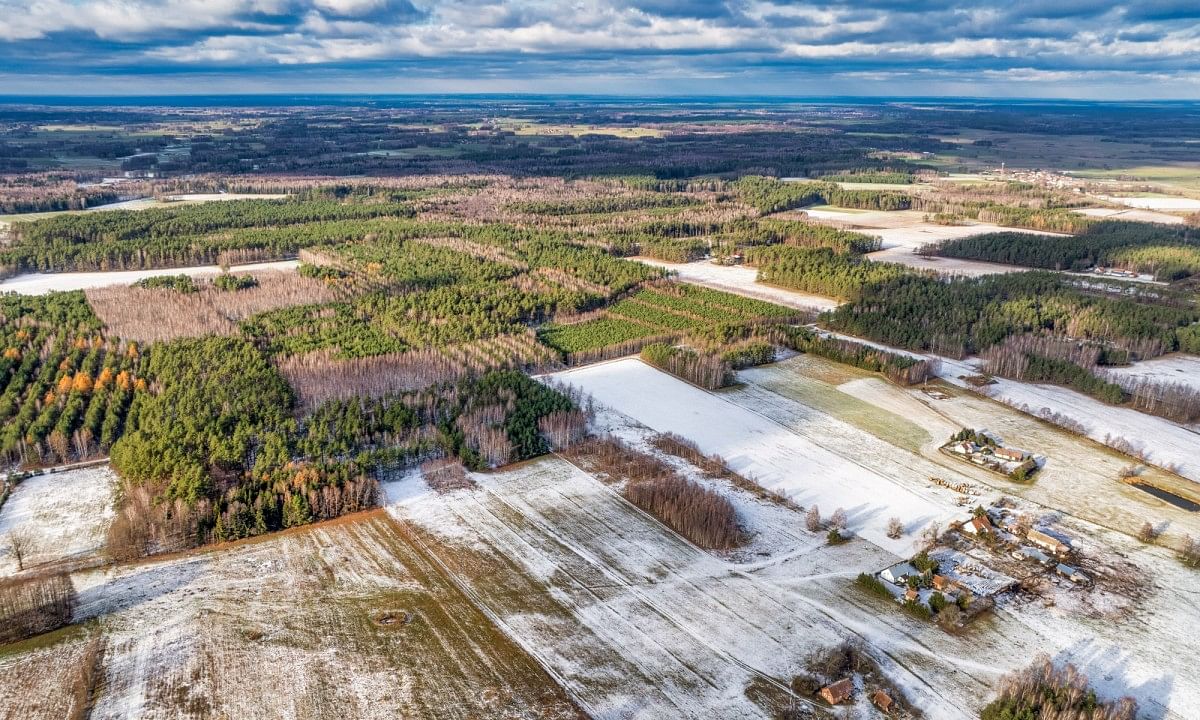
<point x="882" y="700"/>
<point x="940" y="582"/>
<point x="838" y="691"/>
<point x="900" y="570"/>
<point x="1042" y="538"/>
<point x="982" y="524"/>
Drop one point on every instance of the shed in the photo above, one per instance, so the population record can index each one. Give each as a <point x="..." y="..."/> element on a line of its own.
<point x="837" y="692"/>
<point x="1010" y="454"/>
<point x="1047" y="542"/>
<point x="882" y="700"/>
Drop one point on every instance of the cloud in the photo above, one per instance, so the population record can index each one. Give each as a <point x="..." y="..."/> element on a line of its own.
<point x="758" y="44"/>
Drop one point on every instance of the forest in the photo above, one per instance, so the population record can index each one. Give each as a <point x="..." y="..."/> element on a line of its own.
<point x="820" y="271"/>
<point x="962" y="316"/>
<point x="66" y="388"/>
<point x="193" y="234"/>
<point x="218" y="442"/>
<point x="769" y="195"/>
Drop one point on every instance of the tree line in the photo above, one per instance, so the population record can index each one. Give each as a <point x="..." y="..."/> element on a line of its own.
<point x="1170" y="253"/>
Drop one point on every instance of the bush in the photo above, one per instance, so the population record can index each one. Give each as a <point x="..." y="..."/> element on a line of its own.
<point x="873" y="585"/>
<point x="178" y="283"/>
<point x="231" y="283"/>
<point x="708" y="371"/>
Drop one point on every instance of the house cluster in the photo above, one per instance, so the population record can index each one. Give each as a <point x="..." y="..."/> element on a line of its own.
<point x="979" y="449"/>
<point x="841" y="691"/>
<point x="945" y="573"/>
<point x="1029" y="544"/>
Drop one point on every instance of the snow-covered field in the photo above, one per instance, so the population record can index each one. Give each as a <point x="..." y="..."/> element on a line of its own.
<point x="344" y="620"/>
<point x="637" y="623"/>
<point x="1177" y="368"/>
<point x="903" y="231"/>
<point x="65" y="515"/>
<point x="740" y="280"/>
<point x="1158" y="203"/>
<point x="808" y="469"/>
<point x="42" y="283"/>
<point x="1164" y="443"/>
<point x="1132" y="214"/>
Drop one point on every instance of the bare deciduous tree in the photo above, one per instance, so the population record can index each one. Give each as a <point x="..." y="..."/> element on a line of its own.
<point x="838" y="520"/>
<point x="20" y="545"/>
<point x="895" y="528"/>
<point x="812" y="519"/>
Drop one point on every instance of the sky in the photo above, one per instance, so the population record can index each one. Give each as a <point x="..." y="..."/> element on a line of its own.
<point x="1019" y="48"/>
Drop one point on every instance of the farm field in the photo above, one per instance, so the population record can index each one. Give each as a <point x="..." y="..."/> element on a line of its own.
<point x="42" y="283"/>
<point x="1166" y="443"/>
<point x="638" y="623"/>
<point x="904" y="231"/>
<point x="1177" y="368"/>
<point x="1132" y="214"/>
<point x="809" y="469"/>
<point x="740" y="280"/>
<point x="1078" y="477"/>
<point x="1158" y="203"/>
<point x="342" y="620"/>
<point x="64" y="515"/>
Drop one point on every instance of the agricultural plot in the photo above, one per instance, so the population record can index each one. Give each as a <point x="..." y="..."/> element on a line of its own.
<point x="63" y="515"/>
<point x="1158" y="203"/>
<point x="661" y="311"/>
<point x="42" y="283"/>
<point x="637" y="623"/>
<point x="810" y="469"/>
<point x="342" y="620"/>
<point x="1079" y="477"/>
<point x="741" y="280"/>
<point x="904" y="231"/>
<point x="1162" y="442"/>
<point x="1132" y="214"/>
<point x="1179" y="368"/>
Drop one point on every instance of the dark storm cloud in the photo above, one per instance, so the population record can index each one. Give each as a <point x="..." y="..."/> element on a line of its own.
<point x="731" y="41"/>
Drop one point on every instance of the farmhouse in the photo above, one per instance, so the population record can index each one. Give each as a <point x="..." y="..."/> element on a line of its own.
<point x="965" y="447"/>
<point x="898" y="573"/>
<point x="977" y="525"/>
<point x="838" y="692"/>
<point x="1012" y="454"/>
<point x="1048" y="542"/>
